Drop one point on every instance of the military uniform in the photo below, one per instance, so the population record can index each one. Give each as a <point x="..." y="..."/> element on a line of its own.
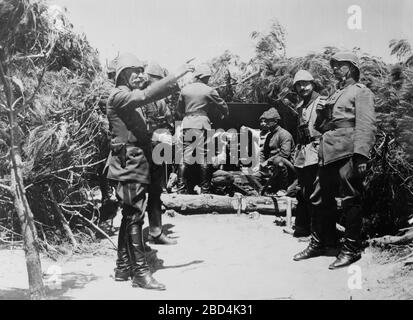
<point x="157" y="116"/>
<point x="194" y="103"/>
<point x="306" y="161"/>
<point x="347" y="122"/>
<point x="349" y="135"/>
<point x="129" y="164"/>
<point x="277" y="152"/>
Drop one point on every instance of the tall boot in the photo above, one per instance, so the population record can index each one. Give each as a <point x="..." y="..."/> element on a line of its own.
<point x="350" y="253"/>
<point x="319" y="245"/>
<point x="123" y="269"/>
<point x="314" y="249"/>
<point x="206" y="176"/>
<point x="182" y="184"/>
<point x="302" y="217"/>
<point x="156" y="235"/>
<point x="351" y="249"/>
<point x="142" y="276"/>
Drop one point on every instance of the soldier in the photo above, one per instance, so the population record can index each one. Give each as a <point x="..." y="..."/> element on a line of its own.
<point x="195" y="101"/>
<point x="347" y="122"/>
<point x="277" y="151"/>
<point x="158" y="116"/>
<point x="306" y="155"/>
<point x="128" y="162"/>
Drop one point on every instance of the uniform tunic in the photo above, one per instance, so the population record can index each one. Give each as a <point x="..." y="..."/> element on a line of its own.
<point x="352" y="124"/>
<point x="130" y="139"/>
<point x="307" y="151"/>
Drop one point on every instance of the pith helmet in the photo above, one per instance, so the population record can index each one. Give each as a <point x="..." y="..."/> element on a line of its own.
<point x="127" y="60"/>
<point x="346" y="56"/>
<point x="271" y="114"/>
<point x="202" y="71"/>
<point x="154" y="69"/>
<point x="302" y="75"/>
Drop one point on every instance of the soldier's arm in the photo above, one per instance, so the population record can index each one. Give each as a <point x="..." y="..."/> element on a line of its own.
<point x="285" y="148"/>
<point x="365" y="126"/>
<point x="124" y="99"/>
<point x="219" y="102"/>
<point x="312" y="124"/>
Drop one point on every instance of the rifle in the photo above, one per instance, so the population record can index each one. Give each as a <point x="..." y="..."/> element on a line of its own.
<point x="281" y="96"/>
<point x="239" y="82"/>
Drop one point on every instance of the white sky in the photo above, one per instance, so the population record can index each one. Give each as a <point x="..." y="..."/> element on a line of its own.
<point x="172" y="31"/>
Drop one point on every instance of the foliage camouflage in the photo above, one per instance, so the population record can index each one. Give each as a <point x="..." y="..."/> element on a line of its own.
<point x="389" y="195"/>
<point x="63" y="126"/>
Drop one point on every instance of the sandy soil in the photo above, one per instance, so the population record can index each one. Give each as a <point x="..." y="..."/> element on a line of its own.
<point x="217" y="257"/>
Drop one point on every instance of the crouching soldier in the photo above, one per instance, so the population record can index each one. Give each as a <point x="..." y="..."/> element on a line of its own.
<point x="129" y="159"/>
<point x="306" y="155"/>
<point x="277" y="152"/>
<point x="347" y="122"/>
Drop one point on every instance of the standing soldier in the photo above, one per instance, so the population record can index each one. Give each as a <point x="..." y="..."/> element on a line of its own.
<point x="306" y="155"/>
<point x="195" y="101"/>
<point x="348" y="125"/>
<point x="158" y="116"/>
<point x="129" y="159"/>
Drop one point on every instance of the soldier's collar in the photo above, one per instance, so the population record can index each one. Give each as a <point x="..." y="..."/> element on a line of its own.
<point x="346" y="83"/>
<point x="276" y="129"/>
<point x="314" y="96"/>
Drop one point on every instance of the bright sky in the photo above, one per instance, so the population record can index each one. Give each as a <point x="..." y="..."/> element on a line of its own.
<point x="172" y="31"/>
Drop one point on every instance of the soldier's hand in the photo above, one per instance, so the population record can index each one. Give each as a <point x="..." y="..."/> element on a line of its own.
<point x="184" y="69"/>
<point x="362" y="168"/>
<point x="360" y="164"/>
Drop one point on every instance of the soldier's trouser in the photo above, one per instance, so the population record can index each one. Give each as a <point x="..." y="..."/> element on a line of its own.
<point x="130" y="241"/>
<point x="154" y="200"/>
<point x="306" y="179"/>
<point x="195" y="151"/>
<point x="338" y="180"/>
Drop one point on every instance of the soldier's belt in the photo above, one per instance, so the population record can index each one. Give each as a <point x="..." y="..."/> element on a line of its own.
<point x="196" y="113"/>
<point x="340" y="124"/>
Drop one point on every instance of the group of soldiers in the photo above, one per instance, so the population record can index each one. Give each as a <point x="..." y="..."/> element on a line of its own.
<point x="329" y="157"/>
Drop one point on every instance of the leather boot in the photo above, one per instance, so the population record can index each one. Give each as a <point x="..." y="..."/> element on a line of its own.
<point x="350" y="253"/>
<point x="162" y="239"/>
<point x="142" y="276"/>
<point x="302" y="217"/>
<point x="320" y="245"/>
<point x="123" y="263"/>
<point x="314" y="249"/>
<point x="182" y="184"/>
<point x="206" y="177"/>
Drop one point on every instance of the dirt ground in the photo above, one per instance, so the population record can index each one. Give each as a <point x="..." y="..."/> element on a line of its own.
<point x="217" y="257"/>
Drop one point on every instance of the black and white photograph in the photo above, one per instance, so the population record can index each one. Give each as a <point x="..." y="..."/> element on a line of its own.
<point x="213" y="152"/>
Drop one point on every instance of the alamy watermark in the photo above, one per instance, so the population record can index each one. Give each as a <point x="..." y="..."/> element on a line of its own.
<point x="207" y="146"/>
<point x="355" y="280"/>
<point x="354" y="21"/>
<point x="53" y="278"/>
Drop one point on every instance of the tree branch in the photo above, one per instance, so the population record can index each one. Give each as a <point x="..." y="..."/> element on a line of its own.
<point x="4" y="187"/>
